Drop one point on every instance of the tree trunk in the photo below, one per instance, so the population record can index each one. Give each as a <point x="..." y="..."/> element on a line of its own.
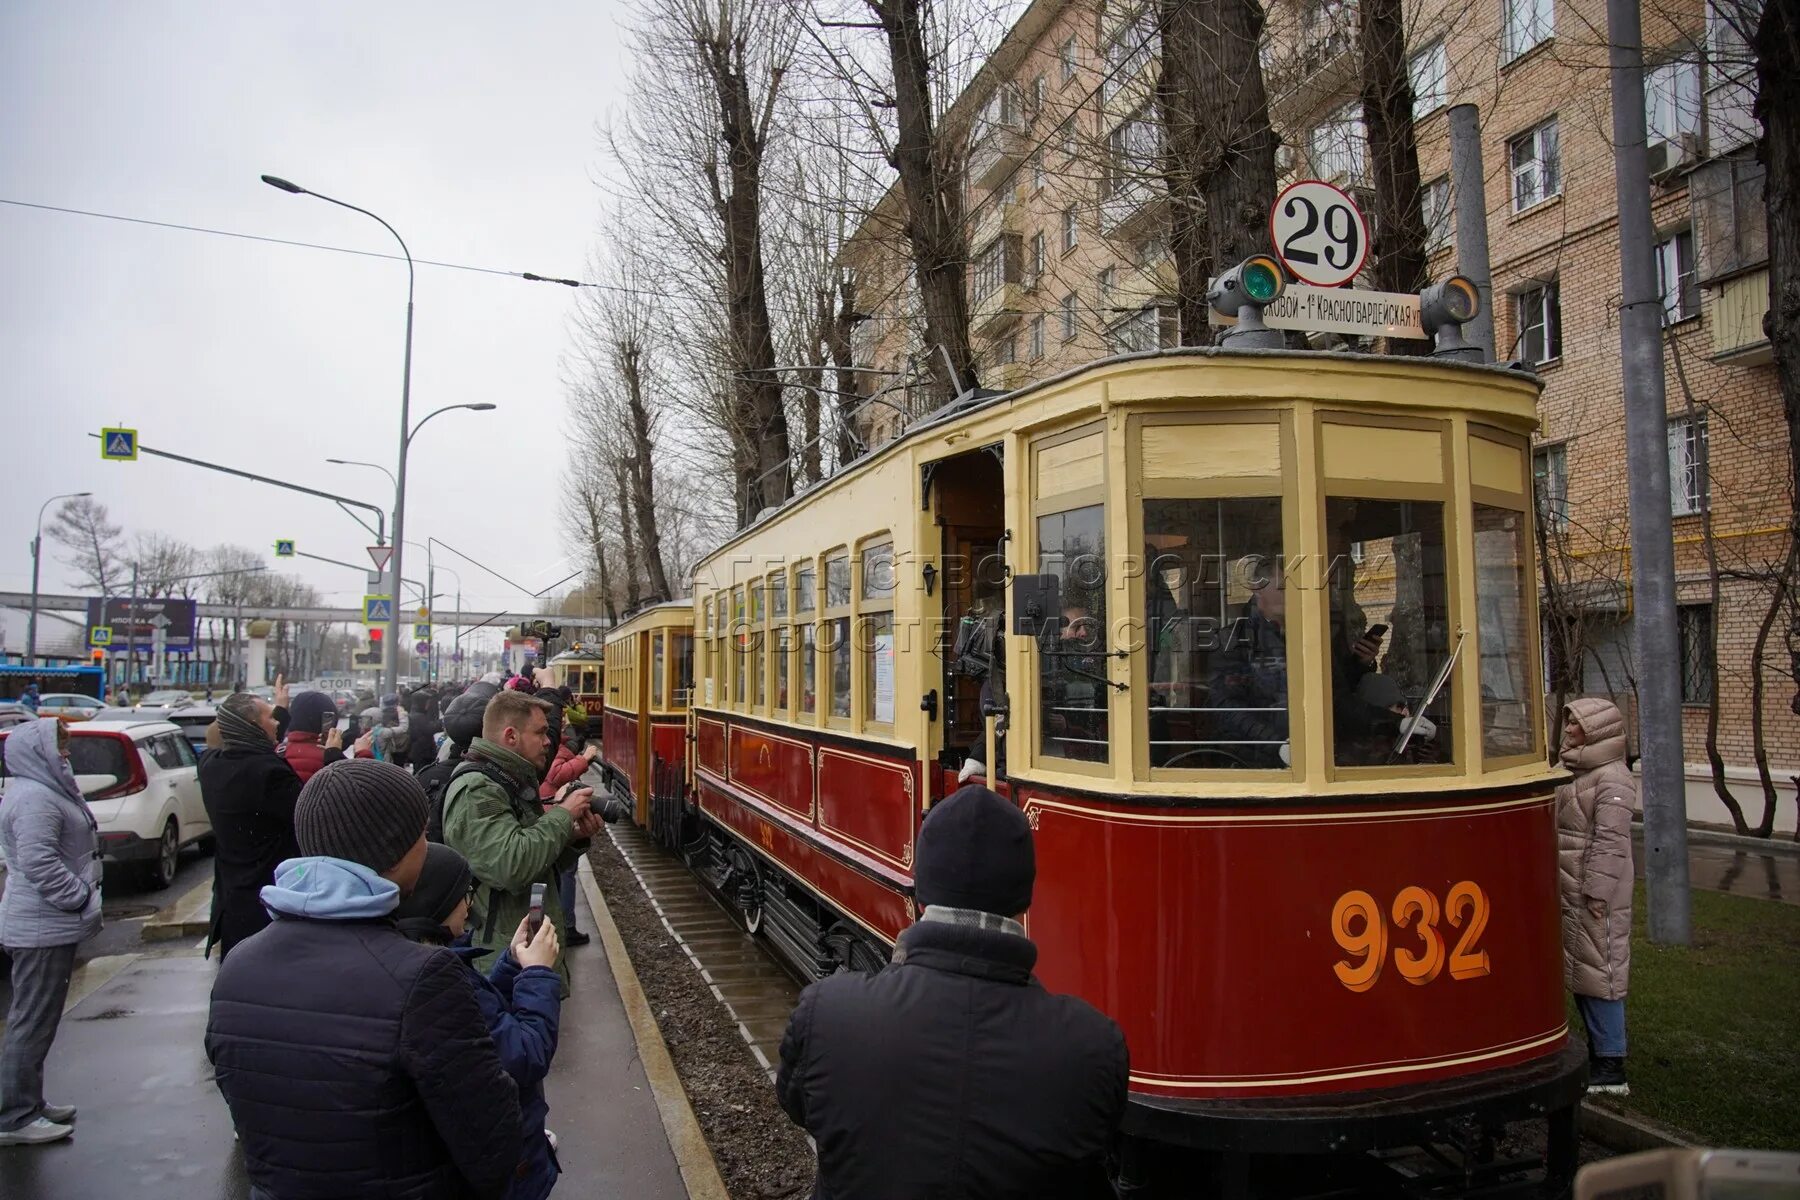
<point x="649" y="539"/>
<point x="1179" y="89"/>
<point x="1777" y="47"/>
<point x="838" y="342"/>
<point x="1759" y="749"/>
<point x="1387" y="104"/>
<point x="758" y="388"/>
<point x="590" y="503"/>
<point x="932" y="185"/>
<point x="621" y="480"/>
<point x="812" y="400"/>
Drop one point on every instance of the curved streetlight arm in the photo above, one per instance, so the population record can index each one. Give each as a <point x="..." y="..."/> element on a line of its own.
<point x="37" y="554"/>
<point x="298" y="190"/>
<point x="357" y="462"/>
<point x="477" y="407"/>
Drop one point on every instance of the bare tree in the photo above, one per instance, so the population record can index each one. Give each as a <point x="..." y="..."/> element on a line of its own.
<point x="83" y="525"/>
<point x="162" y="562"/>
<point x="1776" y="43"/>
<point x="1387" y="104"/>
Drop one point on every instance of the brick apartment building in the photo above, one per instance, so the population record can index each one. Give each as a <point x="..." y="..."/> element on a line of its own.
<point x="1069" y="262"/>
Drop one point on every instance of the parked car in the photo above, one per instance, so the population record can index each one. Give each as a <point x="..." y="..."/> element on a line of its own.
<point x="142" y="783"/>
<point x="193" y="719"/>
<point x="14" y="714"/>
<point x="164" y="700"/>
<point x="70" y="706"/>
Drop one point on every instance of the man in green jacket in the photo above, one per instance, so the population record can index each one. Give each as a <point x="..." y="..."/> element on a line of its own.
<point x="493" y="818"/>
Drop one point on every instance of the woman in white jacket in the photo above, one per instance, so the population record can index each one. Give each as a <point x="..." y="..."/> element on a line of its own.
<point x="51" y="903"/>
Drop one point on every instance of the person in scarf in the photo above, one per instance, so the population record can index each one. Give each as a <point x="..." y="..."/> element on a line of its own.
<point x="249" y="792"/>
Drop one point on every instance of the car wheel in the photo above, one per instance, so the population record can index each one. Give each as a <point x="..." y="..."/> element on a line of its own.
<point x="160" y="872"/>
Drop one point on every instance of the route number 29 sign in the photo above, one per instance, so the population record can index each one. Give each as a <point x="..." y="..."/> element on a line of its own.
<point x="1319" y="233"/>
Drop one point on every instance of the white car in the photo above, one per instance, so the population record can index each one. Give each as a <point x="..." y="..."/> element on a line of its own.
<point x="163" y="701"/>
<point x="142" y="783"/>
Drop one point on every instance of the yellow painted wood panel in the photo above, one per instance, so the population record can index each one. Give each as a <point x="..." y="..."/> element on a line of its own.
<point x="1072" y="465"/>
<point x="1212" y="451"/>
<point x="1395" y="455"/>
<point x="1492" y="465"/>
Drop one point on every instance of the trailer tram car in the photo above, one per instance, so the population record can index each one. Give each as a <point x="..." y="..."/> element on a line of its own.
<point x="649" y="677"/>
<point x="1235" y="582"/>
<point x="581" y="669"/>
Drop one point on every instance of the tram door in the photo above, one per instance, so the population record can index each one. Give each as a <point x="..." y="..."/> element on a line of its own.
<point x="968" y="504"/>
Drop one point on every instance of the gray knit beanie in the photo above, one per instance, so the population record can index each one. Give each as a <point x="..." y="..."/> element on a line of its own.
<point x="361" y="810"/>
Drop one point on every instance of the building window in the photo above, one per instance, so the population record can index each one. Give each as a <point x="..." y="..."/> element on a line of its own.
<point x="1035" y="337"/>
<point x="1039" y="259"/>
<point x="1145" y="329"/>
<point x="1109" y="279"/>
<point x="1037" y="171"/>
<point x="1065" y="57"/>
<point x="1068" y="317"/>
<point x="1538" y="317"/>
<point x="1528" y="23"/>
<point x="1071" y="145"/>
<point x="1430" y="73"/>
<point x="1677" y="278"/>
<point x="1435" y="208"/>
<point x="1133" y="44"/>
<point x="1071" y="229"/>
<point x="1689" y="482"/>
<point x="1339" y="146"/>
<point x="997" y="264"/>
<point x="1536" y="169"/>
<point x="1672" y="101"/>
<point x="1550" y="482"/>
<point x="1695" y="624"/>
<point x="1730" y="76"/>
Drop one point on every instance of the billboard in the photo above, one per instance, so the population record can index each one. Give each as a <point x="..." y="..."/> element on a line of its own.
<point x="134" y="627"/>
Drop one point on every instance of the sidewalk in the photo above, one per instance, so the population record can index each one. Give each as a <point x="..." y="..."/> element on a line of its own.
<point x="131" y="1055"/>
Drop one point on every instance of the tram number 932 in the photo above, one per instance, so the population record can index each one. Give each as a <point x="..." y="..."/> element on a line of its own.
<point x="1361" y="927"/>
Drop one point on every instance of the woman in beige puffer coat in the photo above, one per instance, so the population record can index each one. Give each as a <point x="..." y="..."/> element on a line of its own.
<point x="1593" y="819"/>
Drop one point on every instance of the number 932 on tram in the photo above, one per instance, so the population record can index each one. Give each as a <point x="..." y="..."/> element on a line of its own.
<point x="1251" y="638"/>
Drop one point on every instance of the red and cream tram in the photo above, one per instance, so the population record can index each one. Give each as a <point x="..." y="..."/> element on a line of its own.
<point x="581" y="668"/>
<point x="649" y="677"/>
<point x="1271" y="702"/>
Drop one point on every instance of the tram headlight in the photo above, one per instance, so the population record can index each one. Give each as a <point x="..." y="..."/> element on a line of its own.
<point x="1243" y="292"/>
<point x="1444" y="308"/>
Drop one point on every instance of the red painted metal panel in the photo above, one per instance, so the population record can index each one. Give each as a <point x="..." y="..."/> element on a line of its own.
<point x="1228" y="945"/>
<point x="773" y="768"/>
<point x="882" y="908"/>
<point x="621" y="746"/>
<point x="709" y="745"/>
<point x="869" y="801"/>
<point x="668" y="740"/>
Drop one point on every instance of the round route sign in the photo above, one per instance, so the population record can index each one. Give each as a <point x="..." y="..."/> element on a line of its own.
<point x="1319" y="233"/>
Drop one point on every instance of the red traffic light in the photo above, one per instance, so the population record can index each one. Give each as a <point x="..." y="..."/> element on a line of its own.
<point x="98" y="655"/>
<point x="374" y="636"/>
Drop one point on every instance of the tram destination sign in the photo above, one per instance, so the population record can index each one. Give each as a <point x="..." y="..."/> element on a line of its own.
<point x="1341" y="310"/>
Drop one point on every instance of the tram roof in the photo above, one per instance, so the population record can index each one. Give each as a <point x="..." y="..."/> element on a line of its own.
<point x="656" y="616"/>
<point x="971" y="406"/>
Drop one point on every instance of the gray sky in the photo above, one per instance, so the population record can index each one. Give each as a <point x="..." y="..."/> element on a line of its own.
<point x="471" y="128"/>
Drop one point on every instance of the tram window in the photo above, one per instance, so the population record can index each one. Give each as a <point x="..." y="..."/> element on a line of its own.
<point x="877" y="643"/>
<point x="1502" y="609"/>
<point x="740" y="637"/>
<point x="1073" y="669"/>
<point x="657" y="673"/>
<point x="783" y="648"/>
<point x="778" y="596"/>
<point x="682" y="652"/>
<point x="837" y="579"/>
<point x="1215" y="634"/>
<point x="806" y="584"/>
<point x="837" y="652"/>
<point x="1379" y="683"/>
<point x="753" y="662"/>
<point x="809" y="669"/>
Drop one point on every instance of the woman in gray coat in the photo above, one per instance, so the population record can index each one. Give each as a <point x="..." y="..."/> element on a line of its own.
<point x="51" y="903"/>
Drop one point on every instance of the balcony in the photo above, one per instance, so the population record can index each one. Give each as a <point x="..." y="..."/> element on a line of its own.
<point x="995" y="152"/>
<point x="999" y="310"/>
<point x="1003" y="216"/>
<point x="1322" y="71"/>
<point x="1737" y="321"/>
<point x="1135" y="209"/>
<point x="995" y="290"/>
<point x="1006" y="376"/>
<point x="1142" y="287"/>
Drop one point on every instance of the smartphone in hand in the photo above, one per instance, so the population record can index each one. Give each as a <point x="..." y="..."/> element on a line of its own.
<point x="535" y="918"/>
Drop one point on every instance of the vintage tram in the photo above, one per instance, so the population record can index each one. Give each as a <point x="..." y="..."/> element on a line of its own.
<point x="1252" y="638"/>
<point x="649" y="677"/>
<point x="581" y="668"/>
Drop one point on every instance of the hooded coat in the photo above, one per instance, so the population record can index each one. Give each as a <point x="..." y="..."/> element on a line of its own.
<point x="52" y="846"/>
<point x="356" y="1062"/>
<point x="1593" y="833"/>
<point x="249" y="795"/>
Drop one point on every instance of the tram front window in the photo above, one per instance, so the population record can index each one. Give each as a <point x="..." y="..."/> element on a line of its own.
<point x="1072" y="664"/>
<point x="1390" y="629"/>
<point x="1503" y="620"/>
<point x="1215" y="625"/>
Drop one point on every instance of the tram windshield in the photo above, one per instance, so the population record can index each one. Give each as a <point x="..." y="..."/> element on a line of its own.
<point x="1215" y="625"/>
<point x="1072" y="663"/>
<point x="1390" y="629"/>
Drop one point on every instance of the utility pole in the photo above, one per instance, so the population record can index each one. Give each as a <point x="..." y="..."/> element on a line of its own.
<point x="1654" y="630"/>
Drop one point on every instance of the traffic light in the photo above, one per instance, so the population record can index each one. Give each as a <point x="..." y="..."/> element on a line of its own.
<point x="97" y="654"/>
<point x="1443" y="310"/>
<point x="1243" y="292"/>
<point x="375" y="635"/>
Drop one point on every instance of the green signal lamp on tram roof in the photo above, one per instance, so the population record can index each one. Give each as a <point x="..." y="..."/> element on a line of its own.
<point x="1444" y="308"/>
<point x="1243" y="292"/>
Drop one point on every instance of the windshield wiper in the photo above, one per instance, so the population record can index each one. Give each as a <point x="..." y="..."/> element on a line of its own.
<point x="1431" y="693"/>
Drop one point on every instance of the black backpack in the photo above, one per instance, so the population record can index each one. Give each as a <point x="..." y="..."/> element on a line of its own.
<point x="437" y="789"/>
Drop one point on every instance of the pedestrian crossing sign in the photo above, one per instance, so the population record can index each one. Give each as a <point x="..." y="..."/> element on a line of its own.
<point x="284" y="548"/>
<point x="100" y="635"/>
<point x="118" y="445"/>
<point x="422" y="632"/>
<point x="378" y="610"/>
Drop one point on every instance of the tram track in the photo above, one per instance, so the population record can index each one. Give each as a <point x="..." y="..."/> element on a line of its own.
<point x="753" y="986"/>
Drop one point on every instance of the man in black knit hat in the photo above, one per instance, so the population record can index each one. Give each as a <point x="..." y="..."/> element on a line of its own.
<point x="953" y="1073"/>
<point x="356" y="1062"/>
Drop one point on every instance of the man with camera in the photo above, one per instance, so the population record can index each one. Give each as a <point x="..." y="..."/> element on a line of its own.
<point x="493" y="818"/>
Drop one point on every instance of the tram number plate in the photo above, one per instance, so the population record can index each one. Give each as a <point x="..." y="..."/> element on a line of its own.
<point x="765" y="833"/>
<point x="1361" y="927"/>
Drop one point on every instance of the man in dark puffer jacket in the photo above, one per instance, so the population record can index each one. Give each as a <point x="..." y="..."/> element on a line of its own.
<point x="356" y="1062"/>
<point x="953" y="1073"/>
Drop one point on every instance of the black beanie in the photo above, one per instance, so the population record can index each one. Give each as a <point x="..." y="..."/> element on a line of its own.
<point x="975" y="851"/>
<point x="443" y="884"/>
<point x="308" y="712"/>
<point x="361" y="810"/>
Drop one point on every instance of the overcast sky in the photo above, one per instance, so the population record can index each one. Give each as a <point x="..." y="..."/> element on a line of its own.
<point x="469" y="127"/>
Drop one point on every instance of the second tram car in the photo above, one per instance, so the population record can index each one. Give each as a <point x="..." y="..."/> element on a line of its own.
<point x="581" y="668"/>
<point x="1253" y="637"/>
<point x="649" y="678"/>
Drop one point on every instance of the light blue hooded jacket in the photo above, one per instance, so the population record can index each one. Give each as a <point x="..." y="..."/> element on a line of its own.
<point x="51" y="843"/>
<point x="329" y="889"/>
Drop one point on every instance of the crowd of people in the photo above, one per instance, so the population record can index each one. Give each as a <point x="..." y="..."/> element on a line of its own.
<point x="392" y="918"/>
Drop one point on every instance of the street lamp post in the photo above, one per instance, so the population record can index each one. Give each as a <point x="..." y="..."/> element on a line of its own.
<point x="37" y="550"/>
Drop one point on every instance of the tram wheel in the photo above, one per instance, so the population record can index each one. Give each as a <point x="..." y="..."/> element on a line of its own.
<point x="746" y="891"/>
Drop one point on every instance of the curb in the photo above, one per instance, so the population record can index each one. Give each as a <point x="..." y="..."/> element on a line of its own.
<point x="1623" y="1133"/>
<point x="1769" y="845"/>
<point x="189" y="916"/>
<point x="693" y="1157"/>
